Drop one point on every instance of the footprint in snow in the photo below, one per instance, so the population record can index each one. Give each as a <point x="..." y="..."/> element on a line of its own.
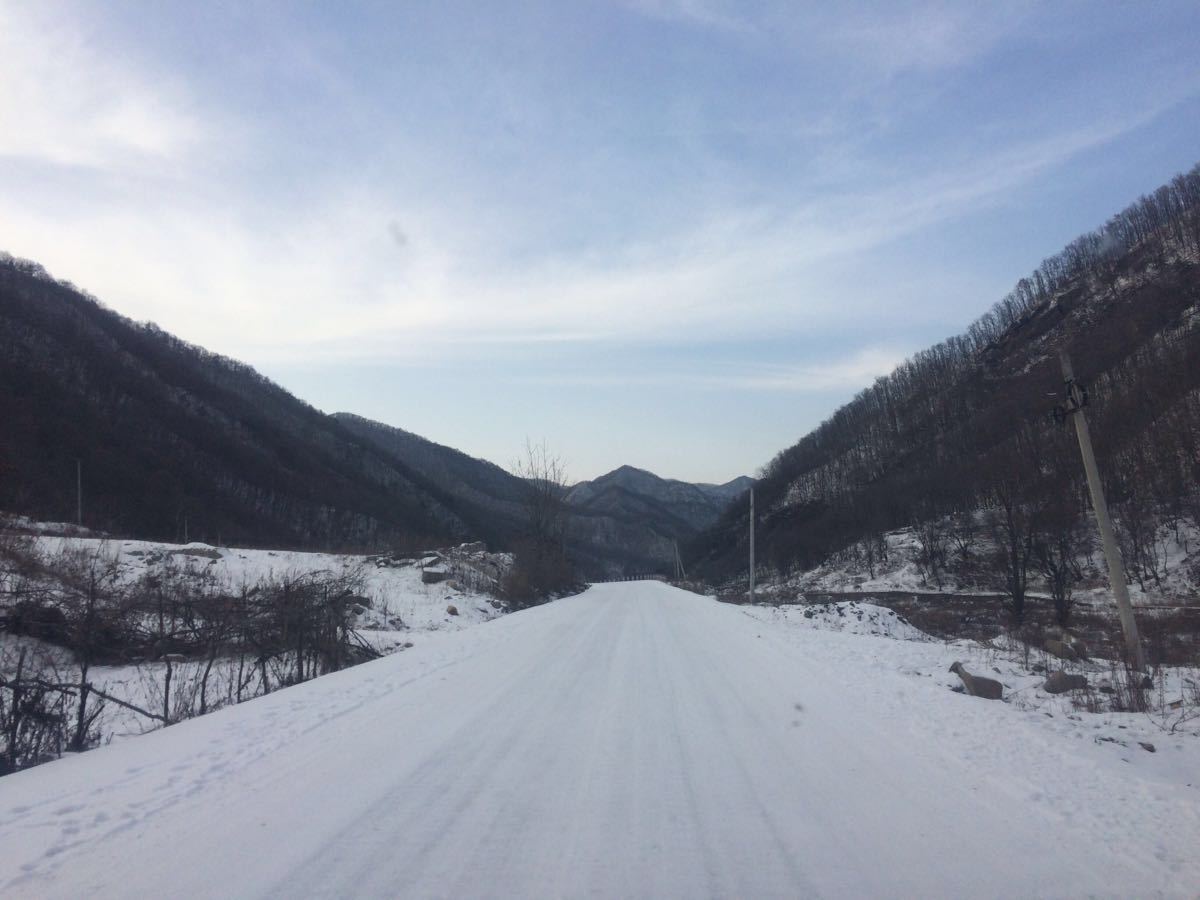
<point x="799" y="707"/>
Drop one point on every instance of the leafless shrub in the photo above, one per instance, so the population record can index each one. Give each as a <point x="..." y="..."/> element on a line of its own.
<point x="932" y="541"/>
<point x="196" y="645"/>
<point x="33" y="708"/>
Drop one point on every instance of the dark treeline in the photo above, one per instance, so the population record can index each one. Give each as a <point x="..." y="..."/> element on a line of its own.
<point x="175" y="440"/>
<point x="965" y="426"/>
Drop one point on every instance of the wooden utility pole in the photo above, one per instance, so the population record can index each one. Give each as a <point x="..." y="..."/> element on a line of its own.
<point x="1076" y="400"/>
<point x="751" y="545"/>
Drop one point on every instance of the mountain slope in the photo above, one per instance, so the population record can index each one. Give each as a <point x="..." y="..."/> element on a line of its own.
<point x="966" y="425"/>
<point x="694" y="505"/>
<point x="172" y="438"/>
<point x="637" y="514"/>
<point x="730" y="489"/>
<point x="624" y="522"/>
<point x="487" y="495"/>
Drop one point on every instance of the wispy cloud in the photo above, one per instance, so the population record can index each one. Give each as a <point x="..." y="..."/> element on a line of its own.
<point x="924" y="35"/>
<point x="884" y="37"/>
<point x="860" y="368"/>
<point x="66" y="103"/>
<point x="333" y="280"/>
<point x="698" y="13"/>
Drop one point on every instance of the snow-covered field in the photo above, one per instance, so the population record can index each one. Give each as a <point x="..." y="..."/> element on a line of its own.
<point x="635" y="740"/>
<point x="402" y="607"/>
<point x="395" y="588"/>
<point x="880" y="639"/>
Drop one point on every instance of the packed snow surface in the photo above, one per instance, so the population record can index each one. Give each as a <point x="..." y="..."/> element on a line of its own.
<point x="634" y="741"/>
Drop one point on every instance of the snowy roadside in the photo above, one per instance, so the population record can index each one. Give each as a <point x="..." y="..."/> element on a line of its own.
<point x="399" y="601"/>
<point x="880" y="640"/>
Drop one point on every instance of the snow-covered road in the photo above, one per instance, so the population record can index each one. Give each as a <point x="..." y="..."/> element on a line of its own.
<point x="635" y="741"/>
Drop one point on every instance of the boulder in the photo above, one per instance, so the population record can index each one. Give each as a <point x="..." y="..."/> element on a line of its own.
<point x="1060" y="682"/>
<point x="452" y="610"/>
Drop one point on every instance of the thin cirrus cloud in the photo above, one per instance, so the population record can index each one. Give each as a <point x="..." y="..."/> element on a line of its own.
<point x="695" y="285"/>
<point x="882" y="38"/>
<point x="336" y="280"/>
<point x="397" y="299"/>
<point x="65" y="103"/>
<point x="699" y="13"/>
<point x="858" y="370"/>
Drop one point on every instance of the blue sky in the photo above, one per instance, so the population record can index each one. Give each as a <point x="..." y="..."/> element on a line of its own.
<point x="670" y="233"/>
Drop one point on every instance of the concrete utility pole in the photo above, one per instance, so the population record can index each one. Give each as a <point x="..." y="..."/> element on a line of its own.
<point x="751" y="545"/>
<point x="1076" y="401"/>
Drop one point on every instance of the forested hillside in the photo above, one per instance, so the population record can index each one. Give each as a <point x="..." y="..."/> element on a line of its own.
<point x="174" y="440"/>
<point x="967" y="427"/>
<point x="689" y="506"/>
<point x="638" y="517"/>
<point x="624" y="522"/>
<point x="491" y="497"/>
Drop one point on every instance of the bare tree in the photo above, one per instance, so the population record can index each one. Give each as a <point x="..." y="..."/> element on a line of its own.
<point x="1057" y="547"/>
<point x="545" y="478"/>
<point x="93" y="605"/>
<point x="932" y="537"/>
<point x="542" y="566"/>
<point x="212" y="622"/>
<point x="1013" y="517"/>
